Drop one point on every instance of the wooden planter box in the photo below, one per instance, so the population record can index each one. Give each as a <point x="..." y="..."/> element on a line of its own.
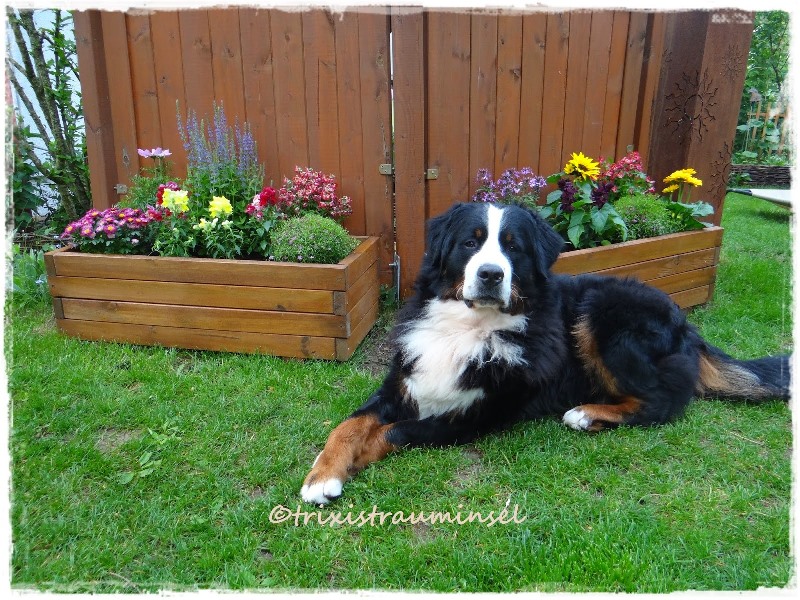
<point x="684" y="265"/>
<point x="283" y="309"/>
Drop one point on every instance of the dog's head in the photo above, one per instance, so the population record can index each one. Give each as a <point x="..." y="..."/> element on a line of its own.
<point x="489" y="255"/>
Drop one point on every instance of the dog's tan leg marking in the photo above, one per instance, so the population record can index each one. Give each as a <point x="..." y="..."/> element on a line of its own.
<point x="595" y="417"/>
<point x="589" y="354"/>
<point x="353" y="445"/>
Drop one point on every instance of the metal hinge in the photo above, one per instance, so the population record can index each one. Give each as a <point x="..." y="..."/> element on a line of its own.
<point x="388" y="169"/>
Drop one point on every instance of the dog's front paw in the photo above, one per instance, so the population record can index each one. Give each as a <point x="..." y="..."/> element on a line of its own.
<point x="323" y="484"/>
<point x="322" y="492"/>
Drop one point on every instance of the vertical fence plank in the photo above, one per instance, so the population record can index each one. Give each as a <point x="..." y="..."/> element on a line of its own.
<point x="350" y="148"/>
<point x="555" y="85"/>
<point x="448" y="108"/>
<point x="630" y="100"/>
<point x="166" y="39"/>
<point x="534" y="36"/>
<point x="286" y="31"/>
<point x="258" y="77"/>
<point x="226" y="62"/>
<point x="509" y="90"/>
<point x="596" y="77"/>
<point x="120" y="95"/>
<point x="580" y="24"/>
<point x="409" y="107"/>
<point x="143" y="83"/>
<point x="373" y="33"/>
<point x="322" y="111"/>
<point x="483" y="94"/>
<point x="196" y="55"/>
<point x="654" y="53"/>
<point x="613" y="91"/>
<point x="96" y="110"/>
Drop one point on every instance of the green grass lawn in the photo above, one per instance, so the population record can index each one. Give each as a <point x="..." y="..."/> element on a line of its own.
<point x="137" y="469"/>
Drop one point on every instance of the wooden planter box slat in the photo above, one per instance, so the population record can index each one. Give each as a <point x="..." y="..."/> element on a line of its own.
<point x="195" y="294"/>
<point x="684" y="265"/>
<point x="290" y="346"/>
<point x="286" y="309"/>
<point x="596" y="259"/>
<point x="338" y="277"/>
<point x="663" y="267"/>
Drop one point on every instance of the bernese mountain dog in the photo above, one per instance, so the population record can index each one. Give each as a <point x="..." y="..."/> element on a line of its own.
<point x="492" y="337"/>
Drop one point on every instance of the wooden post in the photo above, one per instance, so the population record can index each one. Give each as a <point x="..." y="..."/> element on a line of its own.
<point x="409" y="149"/>
<point x="697" y="105"/>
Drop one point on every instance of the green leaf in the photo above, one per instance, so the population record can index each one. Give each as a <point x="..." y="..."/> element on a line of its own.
<point x="145" y="458"/>
<point x="574" y="233"/>
<point x="555" y="177"/>
<point x="554" y="196"/>
<point x="599" y="220"/>
<point x="125" y="478"/>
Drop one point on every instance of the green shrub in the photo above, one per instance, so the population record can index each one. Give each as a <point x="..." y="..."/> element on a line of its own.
<point x="29" y="280"/>
<point x="646" y="216"/>
<point x="311" y="239"/>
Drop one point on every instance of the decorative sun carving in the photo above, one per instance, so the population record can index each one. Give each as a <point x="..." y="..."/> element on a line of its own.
<point x="690" y="107"/>
<point x="733" y="62"/>
<point x="720" y="169"/>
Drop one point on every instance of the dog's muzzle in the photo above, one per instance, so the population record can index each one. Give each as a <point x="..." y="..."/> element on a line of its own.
<point x="487" y="287"/>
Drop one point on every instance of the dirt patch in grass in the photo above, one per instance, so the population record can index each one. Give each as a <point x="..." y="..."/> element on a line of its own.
<point x="46" y="327"/>
<point x="470" y="471"/>
<point x="109" y="440"/>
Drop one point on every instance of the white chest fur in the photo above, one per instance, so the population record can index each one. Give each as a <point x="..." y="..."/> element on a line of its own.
<point x="447" y="338"/>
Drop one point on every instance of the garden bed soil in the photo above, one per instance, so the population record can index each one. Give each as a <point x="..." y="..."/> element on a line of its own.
<point x="282" y="309"/>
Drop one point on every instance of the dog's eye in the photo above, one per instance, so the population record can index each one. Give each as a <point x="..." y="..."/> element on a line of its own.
<point x="470" y="244"/>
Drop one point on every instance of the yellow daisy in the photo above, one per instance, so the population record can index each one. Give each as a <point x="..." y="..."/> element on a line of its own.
<point x="670" y="188"/>
<point x="582" y="166"/>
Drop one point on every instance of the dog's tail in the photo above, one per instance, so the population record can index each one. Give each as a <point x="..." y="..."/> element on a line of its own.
<point x="759" y="379"/>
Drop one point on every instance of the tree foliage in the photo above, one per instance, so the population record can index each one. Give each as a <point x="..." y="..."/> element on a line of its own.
<point x="44" y="77"/>
<point x="767" y="69"/>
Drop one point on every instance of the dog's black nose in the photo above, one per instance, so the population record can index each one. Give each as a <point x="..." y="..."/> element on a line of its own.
<point x="490" y="274"/>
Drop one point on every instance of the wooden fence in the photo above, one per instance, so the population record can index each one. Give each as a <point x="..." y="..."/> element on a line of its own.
<point x="461" y="91"/>
<point x="773" y="120"/>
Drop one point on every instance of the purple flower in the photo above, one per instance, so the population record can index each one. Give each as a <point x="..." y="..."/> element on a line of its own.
<point x="601" y="192"/>
<point x="568" y="191"/>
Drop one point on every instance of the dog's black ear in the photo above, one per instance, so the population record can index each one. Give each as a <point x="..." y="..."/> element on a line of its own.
<point x="439" y="238"/>
<point x="547" y="245"/>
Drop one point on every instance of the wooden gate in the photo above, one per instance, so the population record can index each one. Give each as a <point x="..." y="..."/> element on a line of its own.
<point x="461" y="91"/>
<point x="314" y="87"/>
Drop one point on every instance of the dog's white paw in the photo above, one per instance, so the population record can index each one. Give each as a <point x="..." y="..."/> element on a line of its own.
<point x="322" y="492"/>
<point x="577" y="419"/>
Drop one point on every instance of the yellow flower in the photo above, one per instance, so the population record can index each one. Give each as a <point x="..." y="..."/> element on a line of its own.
<point x="176" y="200"/>
<point x="670" y="188"/>
<point x="219" y="206"/>
<point x="685" y="175"/>
<point x="582" y="166"/>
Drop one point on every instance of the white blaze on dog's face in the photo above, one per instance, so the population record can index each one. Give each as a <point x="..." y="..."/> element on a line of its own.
<point x="487" y="276"/>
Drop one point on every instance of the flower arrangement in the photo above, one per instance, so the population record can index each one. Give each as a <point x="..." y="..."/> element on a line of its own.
<point x="580" y="209"/>
<point x="220" y="210"/>
<point x="583" y="208"/>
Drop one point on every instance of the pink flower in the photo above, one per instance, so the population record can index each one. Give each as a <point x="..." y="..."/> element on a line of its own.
<point x="154" y="153"/>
